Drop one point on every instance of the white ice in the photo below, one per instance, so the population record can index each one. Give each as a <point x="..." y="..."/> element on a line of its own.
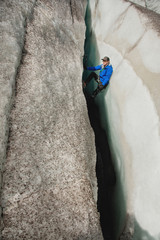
<point x="133" y="44"/>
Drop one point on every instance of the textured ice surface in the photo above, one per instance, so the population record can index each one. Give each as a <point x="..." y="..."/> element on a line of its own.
<point x="153" y="5"/>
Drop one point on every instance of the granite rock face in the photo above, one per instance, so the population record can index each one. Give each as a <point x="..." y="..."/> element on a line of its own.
<point x="49" y="183"/>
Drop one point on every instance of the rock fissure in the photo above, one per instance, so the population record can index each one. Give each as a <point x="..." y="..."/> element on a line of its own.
<point x="71" y="7"/>
<point x="105" y="172"/>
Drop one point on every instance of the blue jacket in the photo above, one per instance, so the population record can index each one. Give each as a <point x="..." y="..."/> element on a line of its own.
<point x="105" y="73"/>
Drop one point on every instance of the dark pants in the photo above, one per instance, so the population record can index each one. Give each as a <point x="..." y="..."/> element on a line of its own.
<point x="96" y="78"/>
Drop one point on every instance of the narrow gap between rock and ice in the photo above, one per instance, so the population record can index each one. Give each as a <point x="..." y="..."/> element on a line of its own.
<point x="106" y="178"/>
<point x="105" y="173"/>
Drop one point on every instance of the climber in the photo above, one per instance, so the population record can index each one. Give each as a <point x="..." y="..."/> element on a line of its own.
<point x="103" y="78"/>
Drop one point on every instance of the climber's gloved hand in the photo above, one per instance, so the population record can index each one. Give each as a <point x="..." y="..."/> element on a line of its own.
<point x="84" y="66"/>
<point x="98" y="80"/>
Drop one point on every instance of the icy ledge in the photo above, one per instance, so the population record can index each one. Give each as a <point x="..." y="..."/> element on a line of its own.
<point x="129" y="34"/>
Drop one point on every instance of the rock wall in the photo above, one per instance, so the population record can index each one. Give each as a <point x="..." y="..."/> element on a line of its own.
<point x="48" y="156"/>
<point x="130" y="110"/>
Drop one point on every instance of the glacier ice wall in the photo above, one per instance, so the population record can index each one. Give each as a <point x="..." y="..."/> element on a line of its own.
<point x="129" y="35"/>
<point x="49" y="183"/>
<point x="153" y="5"/>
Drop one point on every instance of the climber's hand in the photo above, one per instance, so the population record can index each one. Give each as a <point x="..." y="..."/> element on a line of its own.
<point x="84" y="66"/>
